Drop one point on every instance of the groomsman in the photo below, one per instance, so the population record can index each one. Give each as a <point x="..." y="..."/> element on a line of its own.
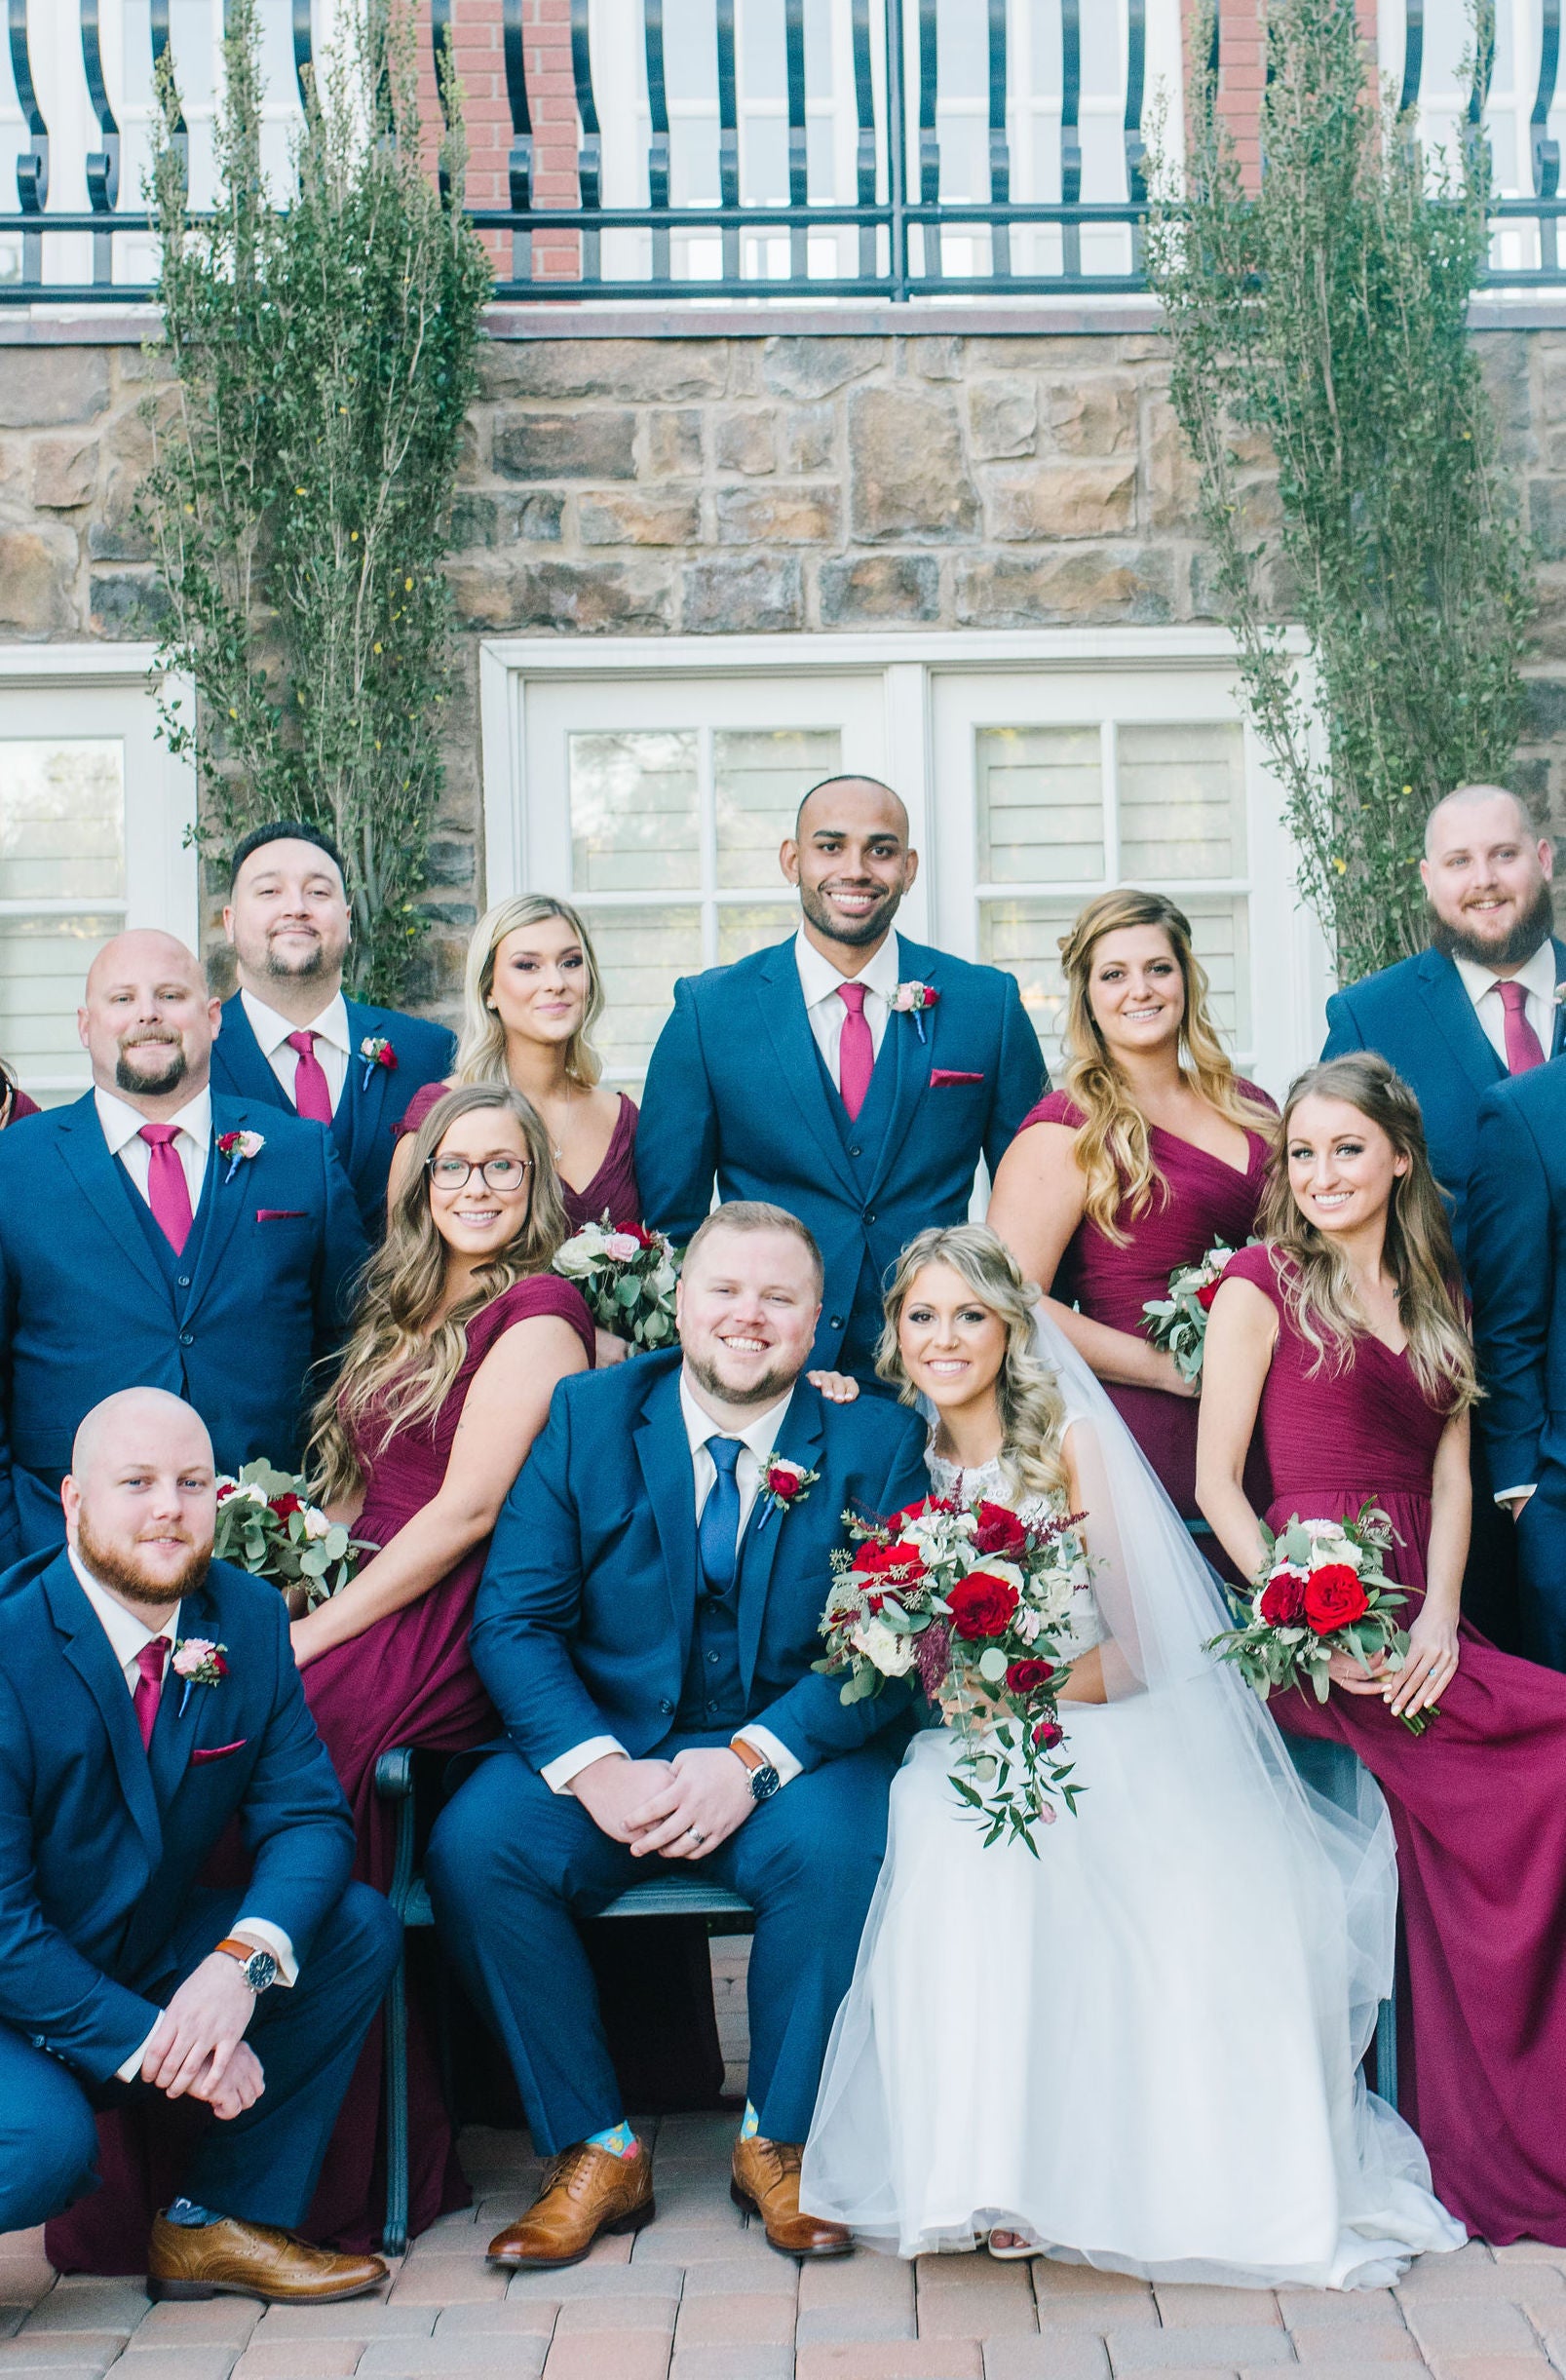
<point x="852" y="1075"/>
<point x="291" y="1037"/>
<point x="150" y="1701"/>
<point x="158" y="1235"/>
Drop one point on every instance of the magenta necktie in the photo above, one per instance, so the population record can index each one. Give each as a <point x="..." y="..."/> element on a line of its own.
<point x="168" y="1191"/>
<point x="856" y="1052"/>
<point x="312" y="1094"/>
<point x="1523" y="1053"/>
<point x="147" y="1693"/>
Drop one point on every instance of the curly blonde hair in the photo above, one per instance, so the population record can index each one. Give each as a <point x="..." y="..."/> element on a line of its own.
<point x="482" y="1052"/>
<point x="1113" y="1147"/>
<point x="1027" y="1395"/>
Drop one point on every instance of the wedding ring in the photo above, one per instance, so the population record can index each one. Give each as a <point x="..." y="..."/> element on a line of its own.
<point x="696" y="1834"/>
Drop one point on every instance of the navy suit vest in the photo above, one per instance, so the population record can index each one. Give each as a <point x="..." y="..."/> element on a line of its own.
<point x="178" y="1270"/>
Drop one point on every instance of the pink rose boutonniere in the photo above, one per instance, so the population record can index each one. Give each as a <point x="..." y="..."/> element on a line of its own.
<point x="239" y="1148"/>
<point x="376" y="1051"/>
<point x="784" y="1483"/>
<point x="199" y="1663"/>
<point x="913" y="999"/>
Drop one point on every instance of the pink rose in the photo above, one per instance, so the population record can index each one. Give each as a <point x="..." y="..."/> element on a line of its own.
<point x="621" y="1246"/>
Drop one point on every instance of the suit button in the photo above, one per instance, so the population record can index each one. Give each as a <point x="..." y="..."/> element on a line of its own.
<point x="855" y="1152"/>
<point x="187" y="1338"/>
<point x="836" y="1323"/>
<point x="870" y="1215"/>
<point x="712" y="1708"/>
<point x="185" y="1281"/>
<point x="665" y="1707"/>
<point x="713" y="1659"/>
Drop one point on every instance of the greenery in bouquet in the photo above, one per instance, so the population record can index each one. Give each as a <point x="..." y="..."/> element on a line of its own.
<point x="1323" y="1590"/>
<point x="267" y="1524"/>
<point x="1178" y="1323"/>
<point x="973" y="1602"/>
<point x="628" y="1277"/>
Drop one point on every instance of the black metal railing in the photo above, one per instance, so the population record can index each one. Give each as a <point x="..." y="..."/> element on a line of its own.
<point x="894" y="234"/>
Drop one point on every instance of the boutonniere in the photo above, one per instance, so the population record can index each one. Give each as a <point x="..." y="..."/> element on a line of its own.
<point x="239" y="1148"/>
<point x="784" y="1483"/>
<point x="913" y="999"/>
<point x="199" y="1663"/>
<point x="376" y="1051"/>
<point x="1560" y="995"/>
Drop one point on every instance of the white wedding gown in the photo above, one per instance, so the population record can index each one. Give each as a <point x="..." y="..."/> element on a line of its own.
<point x="1140" y="2051"/>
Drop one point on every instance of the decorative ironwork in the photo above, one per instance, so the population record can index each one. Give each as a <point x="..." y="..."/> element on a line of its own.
<point x="102" y="164"/>
<point x="1546" y="151"/>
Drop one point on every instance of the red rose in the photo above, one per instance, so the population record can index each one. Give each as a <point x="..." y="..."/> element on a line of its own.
<point x="1333" y="1596"/>
<point x="1283" y="1602"/>
<point x="999" y="1531"/>
<point x="219" y="1664"/>
<point x="287" y="1503"/>
<point x="785" y="1483"/>
<point x="225" y="1490"/>
<point x="981" y="1605"/>
<point x="1027" y="1676"/>
<point x="1204" y="1297"/>
<point x="876" y="1561"/>
<point x="1046" y="1735"/>
<point x="386" y="1056"/>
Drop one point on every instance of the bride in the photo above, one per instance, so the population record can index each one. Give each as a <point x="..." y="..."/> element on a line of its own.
<point x="1141" y="2050"/>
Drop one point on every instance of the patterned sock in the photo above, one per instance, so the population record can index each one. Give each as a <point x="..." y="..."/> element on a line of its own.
<point x="751" y="2124"/>
<point x="619" y="2140"/>
<point x="189" y="2216"/>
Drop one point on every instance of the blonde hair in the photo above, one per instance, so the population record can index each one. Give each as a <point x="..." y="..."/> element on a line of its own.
<point x="1027" y="1395"/>
<point x="1418" y="1252"/>
<point x="1114" y="1148"/>
<point x="482" y="1052"/>
<point x="399" y="1360"/>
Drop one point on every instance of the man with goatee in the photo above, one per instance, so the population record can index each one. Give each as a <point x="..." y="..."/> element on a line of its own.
<point x="159" y="1235"/>
<point x="148" y="1700"/>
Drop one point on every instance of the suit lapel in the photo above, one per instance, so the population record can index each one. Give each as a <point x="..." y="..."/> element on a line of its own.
<point x="784" y="1018"/>
<point x="663" y="1452"/>
<point x="178" y="1724"/>
<point x="913" y="1059"/>
<point x="87" y="1154"/>
<point x="800" y="1439"/>
<point x="360" y="1111"/>
<point x="224" y="1200"/>
<point x="246" y="1068"/>
<point x="1452" y="1012"/>
<point x="91" y="1655"/>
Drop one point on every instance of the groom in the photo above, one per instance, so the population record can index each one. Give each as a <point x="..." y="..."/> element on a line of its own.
<point x="646" y="1626"/>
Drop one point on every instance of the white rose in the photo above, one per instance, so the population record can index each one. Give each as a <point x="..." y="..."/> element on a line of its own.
<point x="884" y="1648"/>
<point x="316" y="1523"/>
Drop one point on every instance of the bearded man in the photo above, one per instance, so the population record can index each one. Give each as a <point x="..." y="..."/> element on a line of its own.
<point x="149" y="1699"/>
<point x="158" y="1235"/>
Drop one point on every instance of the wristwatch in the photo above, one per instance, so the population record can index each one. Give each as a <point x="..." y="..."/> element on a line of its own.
<point x="258" y="1967"/>
<point x="764" y="1777"/>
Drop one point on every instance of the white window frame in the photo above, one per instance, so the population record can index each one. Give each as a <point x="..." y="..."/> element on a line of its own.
<point x="1286" y="1009"/>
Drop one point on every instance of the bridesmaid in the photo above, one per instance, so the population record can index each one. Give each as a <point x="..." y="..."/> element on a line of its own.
<point x="1153" y="1151"/>
<point x="1344" y="1333"/>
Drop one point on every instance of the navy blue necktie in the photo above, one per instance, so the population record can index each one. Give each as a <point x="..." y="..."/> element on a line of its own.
<point x="718" y="1534"/>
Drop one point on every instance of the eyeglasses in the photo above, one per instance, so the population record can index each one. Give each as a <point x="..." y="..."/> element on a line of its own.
<point x="499" y="1172"/>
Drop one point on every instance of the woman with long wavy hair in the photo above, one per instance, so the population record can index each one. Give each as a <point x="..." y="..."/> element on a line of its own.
<point x="1344" y="1334"/>
<point x="1151" y="1153"/>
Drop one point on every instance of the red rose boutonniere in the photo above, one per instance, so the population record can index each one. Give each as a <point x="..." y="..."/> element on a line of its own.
<point x="783" y="1483"/>
<point x="376" y="1051"/>
<point x="913" y="999"/>
<point x="239" y="1148"/>
<point x="199" y="1663"/>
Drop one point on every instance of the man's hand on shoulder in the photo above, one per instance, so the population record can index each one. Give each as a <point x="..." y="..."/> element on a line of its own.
<point x="613" y="1788"/>
<point x="707" y="1799"/>
<point x="198" y="2033"/>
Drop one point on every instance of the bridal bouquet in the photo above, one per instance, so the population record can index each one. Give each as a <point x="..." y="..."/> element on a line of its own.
<point x="1322" y="1590"/>
<point x="972" y="1601"/>
<point x="266" y="1524"/>
<point x="1178" y="1323"/>
<point x="627" y="1278"/>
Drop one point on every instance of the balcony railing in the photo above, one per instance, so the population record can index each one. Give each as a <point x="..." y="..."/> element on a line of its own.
<point x="669" y="206"/>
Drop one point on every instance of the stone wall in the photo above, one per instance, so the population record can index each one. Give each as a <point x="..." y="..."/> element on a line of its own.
<point x="790" y="483"/>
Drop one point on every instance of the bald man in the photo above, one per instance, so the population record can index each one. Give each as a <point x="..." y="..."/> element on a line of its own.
<point x="149" y="1699"/>
<point x="157" y="1235"/>
<point x="848" y="1074"/>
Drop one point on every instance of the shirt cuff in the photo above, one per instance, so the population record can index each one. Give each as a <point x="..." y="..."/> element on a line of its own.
<point x="777" y="1756"/>
<point x="559" y="1774"/>
<point x="1503" y="1495"/>
<point x="262" y="1935"/>
<point x="132" y="2065"/>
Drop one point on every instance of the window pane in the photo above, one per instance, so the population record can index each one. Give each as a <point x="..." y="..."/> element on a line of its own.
<point x="633" y="814"/>
<point x="742" y="931"/>
<point x="1040" y="810"/>
<point x="761" y="776"/>
<point x="640" y="952"/>
<point x="42" y="961"/>
<point x="1023" y="937"/>
<point x="1182" y="802"/>
<point x="62" y="820"/>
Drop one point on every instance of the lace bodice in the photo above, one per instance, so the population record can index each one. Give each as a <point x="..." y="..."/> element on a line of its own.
<point x="987" y="1479"/>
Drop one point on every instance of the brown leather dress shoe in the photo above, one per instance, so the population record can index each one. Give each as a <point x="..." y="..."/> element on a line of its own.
<point x="763" y="2179"/>
<point x="234" y="2259"/>
<point x="586" y="2190"/>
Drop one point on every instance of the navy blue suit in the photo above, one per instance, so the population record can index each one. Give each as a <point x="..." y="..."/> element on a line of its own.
<point x="738" y="1090"/>
<point x="375" y="1098"/>
<point x="101" y="1915"/>
<point x="1517" y="1269"/>
<point x="592" y="1620"/>
<point x="93" y="1299"/>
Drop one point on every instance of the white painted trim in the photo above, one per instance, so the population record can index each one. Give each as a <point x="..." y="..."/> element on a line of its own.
<point x="1076" y="648"/>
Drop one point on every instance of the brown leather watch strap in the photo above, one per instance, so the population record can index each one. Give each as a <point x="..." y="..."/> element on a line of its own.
<point x="236" y="1949"/>
<point x="747" y="1753"/>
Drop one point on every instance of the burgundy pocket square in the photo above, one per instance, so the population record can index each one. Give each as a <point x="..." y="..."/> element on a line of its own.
<point x="282" y="1214"/>
<point x="942" y="1076"/>
<point x="219" y="1751"/>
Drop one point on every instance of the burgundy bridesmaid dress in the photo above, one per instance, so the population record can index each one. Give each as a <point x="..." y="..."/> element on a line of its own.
<point x="1207" y="1202"/>
<point x="611" y="1191"/>
<point x="1478" y="1804"/>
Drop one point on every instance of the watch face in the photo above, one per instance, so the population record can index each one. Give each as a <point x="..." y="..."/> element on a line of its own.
<point x="764" y="1783"/>
<point x="260" y="1969"/>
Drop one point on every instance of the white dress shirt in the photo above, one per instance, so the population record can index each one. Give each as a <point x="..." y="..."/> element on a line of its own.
<point x="331" y="1029"/>
<point x="122" y="1130"/>
<point x="757" y="1440"/>
<point x="819" y="981"/>
<point x="127" y="1634"/>
<point x="1538" y="980"/>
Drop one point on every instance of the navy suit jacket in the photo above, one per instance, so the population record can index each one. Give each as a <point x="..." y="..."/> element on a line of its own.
<point x="585" y="1609"/>
<point x="735" y="1090"/>
<point x="1418" y="1016"/>
<point x="102" y="1842"/>
<point x="1516" y="1246"/>
<point x="368" y="1112"/>
<point x="87" y="1307"/>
